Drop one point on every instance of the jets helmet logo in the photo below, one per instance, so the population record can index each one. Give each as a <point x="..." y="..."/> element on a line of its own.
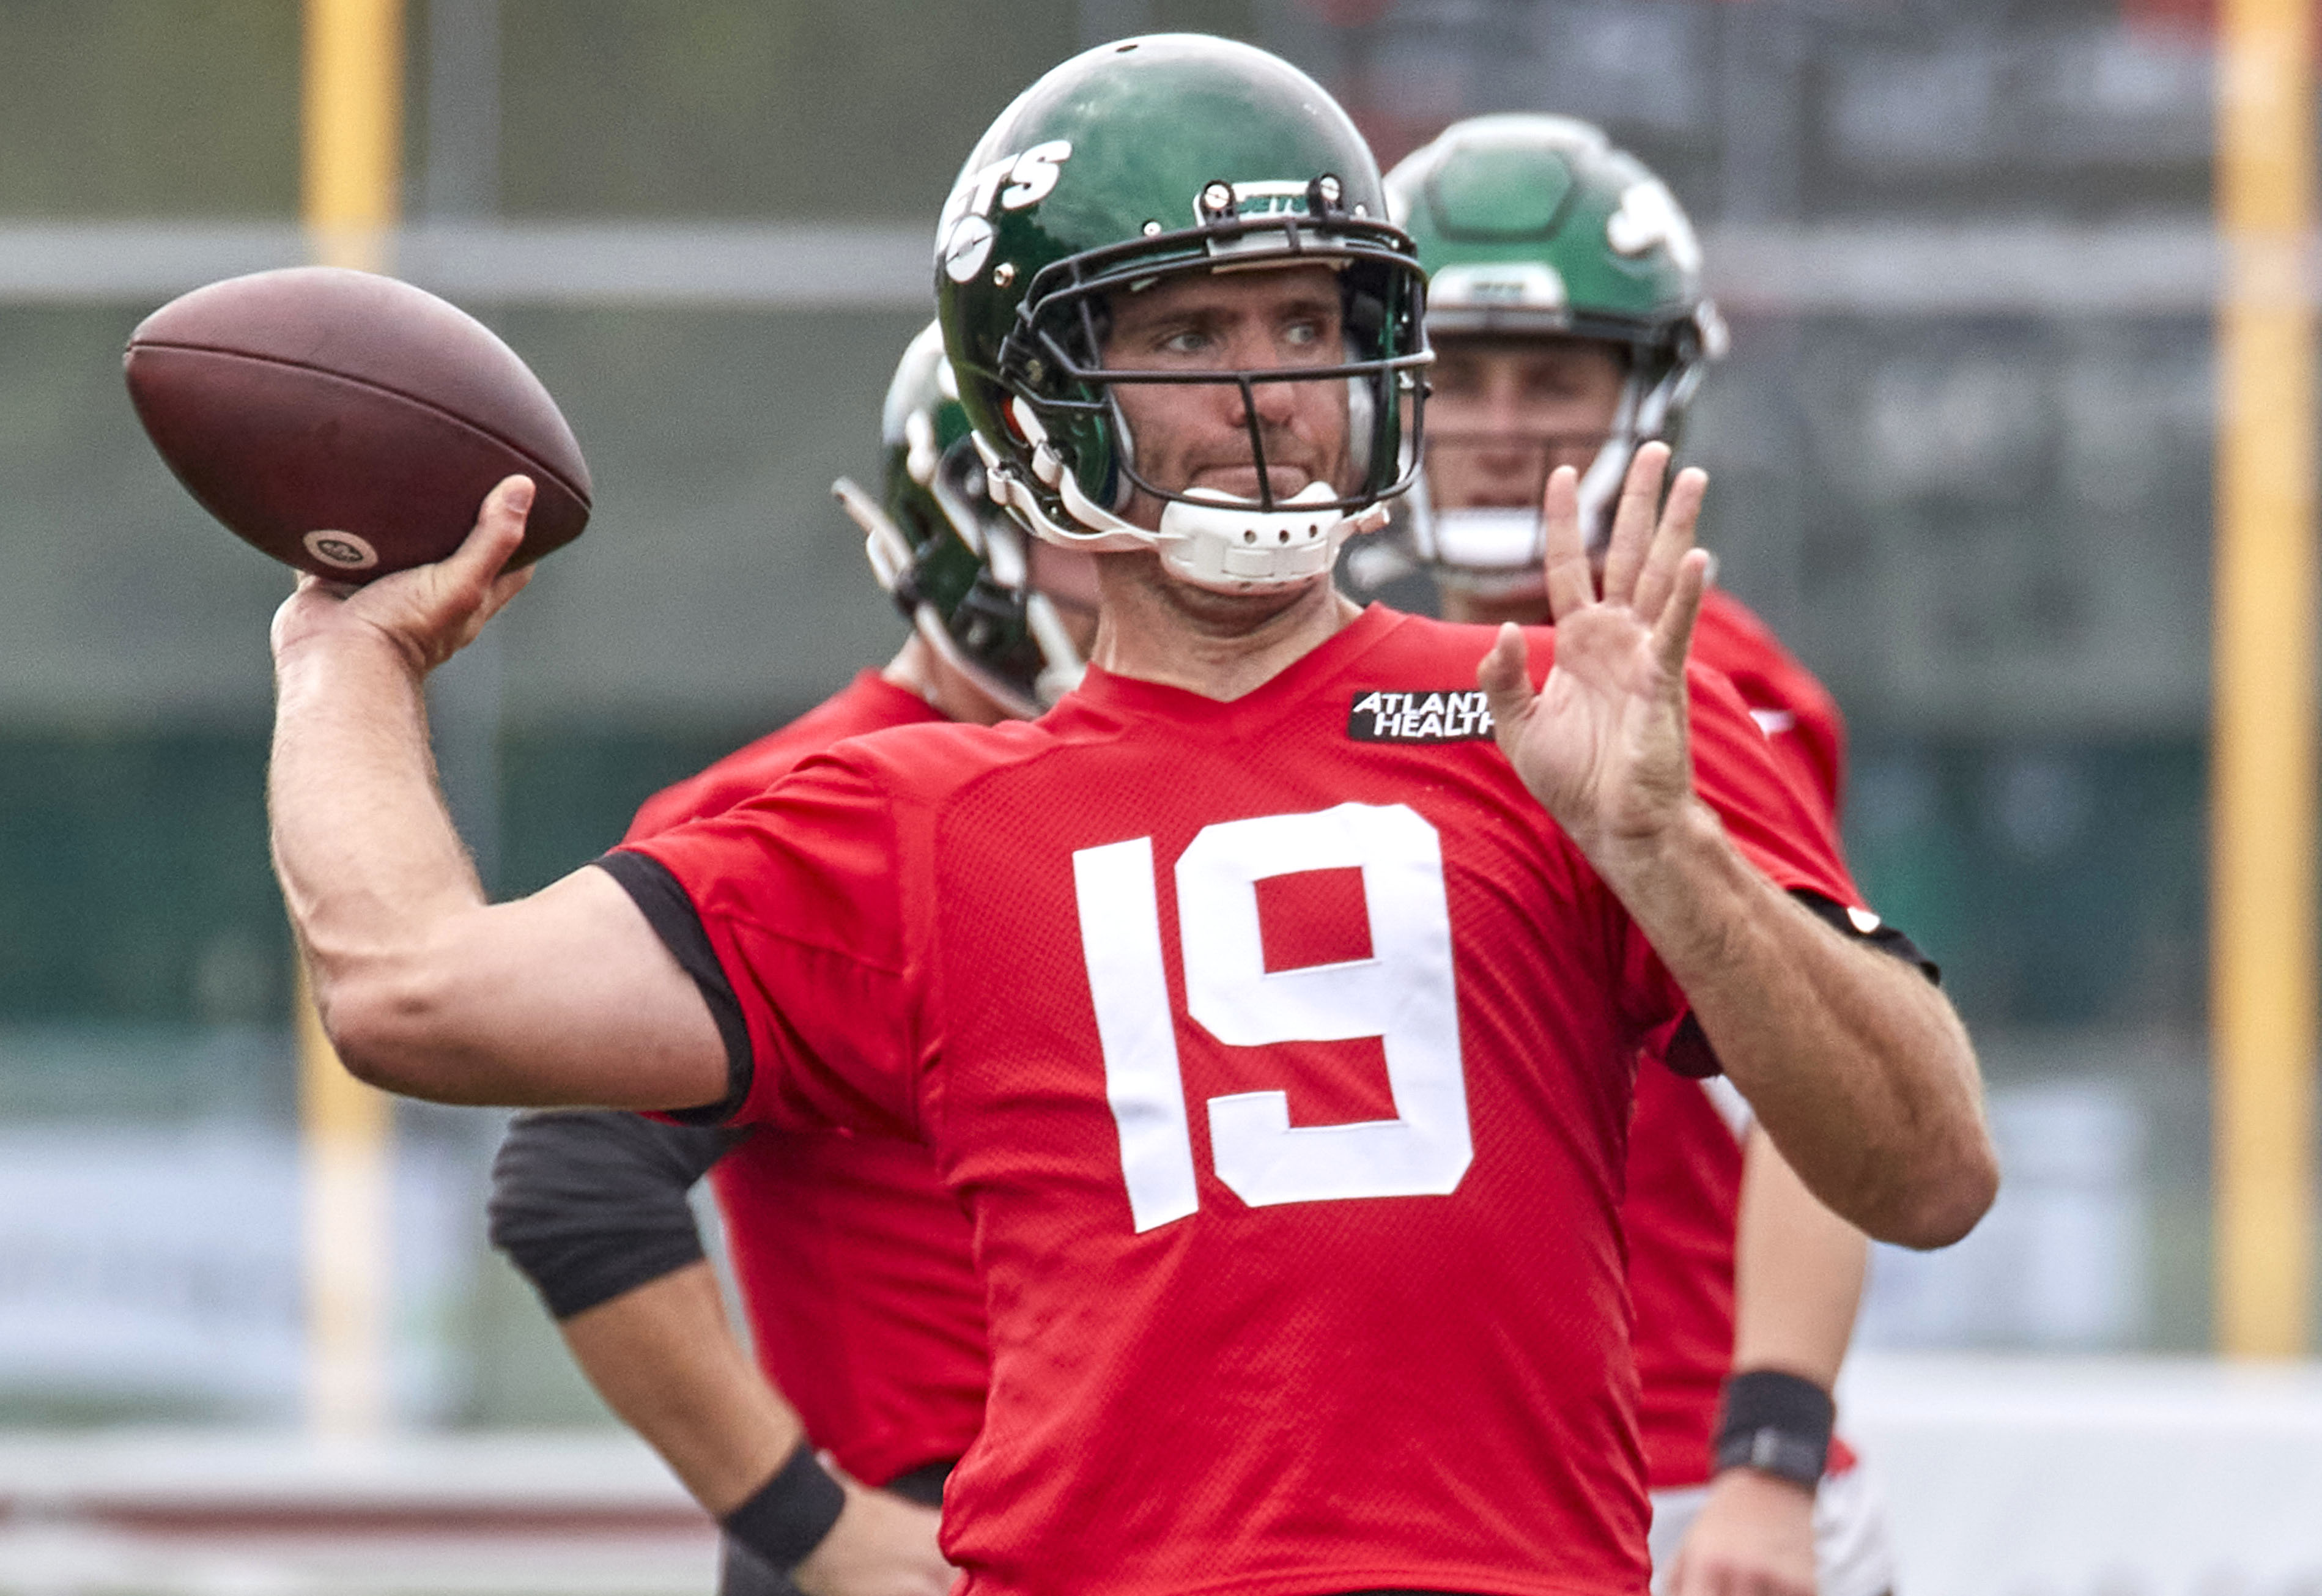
<point x="963" y="236"/>
<point x="1649" y="215"/>
<point x="1278" y="198"/>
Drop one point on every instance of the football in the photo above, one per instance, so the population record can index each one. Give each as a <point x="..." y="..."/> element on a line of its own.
<point x="348" y="423"/>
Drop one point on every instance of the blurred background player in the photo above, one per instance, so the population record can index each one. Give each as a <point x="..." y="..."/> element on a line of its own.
<point x="852" y="1258"/>
<point x="1566" y="308"/>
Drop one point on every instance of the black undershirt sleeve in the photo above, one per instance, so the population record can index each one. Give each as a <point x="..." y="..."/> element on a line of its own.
<point x="1689" y="1053"/>
<point x="1887" y="939"/>
<point x="670" y="913"/>
<point x="591" y="1204"/>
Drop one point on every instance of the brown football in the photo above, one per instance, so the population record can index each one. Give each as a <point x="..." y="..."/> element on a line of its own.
<point x="348" y="423"/>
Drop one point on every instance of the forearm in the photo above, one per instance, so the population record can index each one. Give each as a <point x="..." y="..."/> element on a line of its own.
<point x="369" y="863"/>
<point x="1798" y="1277"/>
<point x="592" y="1208"/>
<point x="664" y="1359"/>
<point x="1854" y="1063"/>
<point x="1798" y="1273"/>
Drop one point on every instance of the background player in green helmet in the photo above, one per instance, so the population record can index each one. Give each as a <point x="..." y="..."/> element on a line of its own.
<point x="1007" y="614"/>
<point x="1567" y="311"/>
<point x="1565" y="307"/>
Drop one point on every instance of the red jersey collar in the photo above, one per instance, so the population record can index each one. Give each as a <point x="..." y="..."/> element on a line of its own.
<point x="1136" y="698"/>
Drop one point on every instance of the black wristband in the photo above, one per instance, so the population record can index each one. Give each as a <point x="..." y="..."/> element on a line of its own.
<point x="1776" y="1423"/>
<point x="788" y="1516"/>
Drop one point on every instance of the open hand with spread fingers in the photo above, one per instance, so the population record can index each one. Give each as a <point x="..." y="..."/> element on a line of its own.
<point x="1602" y="745"/>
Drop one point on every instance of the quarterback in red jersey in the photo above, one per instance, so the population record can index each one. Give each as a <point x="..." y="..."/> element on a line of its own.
<point x="1568" y="336"/>
<point x="1272" y="1003"/>
<point x="853" y="1259"/>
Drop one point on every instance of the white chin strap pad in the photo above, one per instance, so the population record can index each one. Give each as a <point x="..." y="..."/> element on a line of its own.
<point x="1499" y="553"/>
<point x="1229" y="545"/>
<point x="1490" y="543"/>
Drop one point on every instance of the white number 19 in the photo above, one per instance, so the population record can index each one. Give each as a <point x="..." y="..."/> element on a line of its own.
<point x="1404" y="994"/>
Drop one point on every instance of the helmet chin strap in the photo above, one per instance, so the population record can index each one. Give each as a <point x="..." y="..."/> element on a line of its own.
<point x="1227" y="544"/>
<point x="1212" y="540"/>
<point x="1494" y="553"/>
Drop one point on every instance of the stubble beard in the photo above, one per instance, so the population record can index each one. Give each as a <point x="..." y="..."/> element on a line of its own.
<point x="1203" y="613"/>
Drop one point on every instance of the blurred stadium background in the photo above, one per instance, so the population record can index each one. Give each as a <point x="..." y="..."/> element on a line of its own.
<point x="1962" y="458"/>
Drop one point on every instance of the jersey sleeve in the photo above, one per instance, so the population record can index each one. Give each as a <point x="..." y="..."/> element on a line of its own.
<point x="1778" y="826"/>
<point x="1813" y="744"/>
<point x="797" y="899"/>
<point x="1803" y="724"/>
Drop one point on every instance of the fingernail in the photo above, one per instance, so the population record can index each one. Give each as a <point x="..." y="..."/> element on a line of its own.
<point x="519" y="494"/>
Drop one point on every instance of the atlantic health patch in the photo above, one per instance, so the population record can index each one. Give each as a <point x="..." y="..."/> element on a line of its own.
<point x="1457" y="716"/>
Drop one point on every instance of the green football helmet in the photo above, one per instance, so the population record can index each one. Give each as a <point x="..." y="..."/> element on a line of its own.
<point x="955" y="566"/>
<point x="1527" y="225"/>
<point x="1128" y="165"/>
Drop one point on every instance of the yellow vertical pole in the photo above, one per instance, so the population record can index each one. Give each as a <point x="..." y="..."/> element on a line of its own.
<point x="352" y="166"/>
<point x="354" y="121"/>
<point x="346" y="1170"/>
<point x="2262" y="782"/>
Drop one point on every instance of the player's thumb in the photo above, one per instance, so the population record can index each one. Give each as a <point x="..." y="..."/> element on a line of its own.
<point x="499" y="531"/>
<point x="1505" y="677"/>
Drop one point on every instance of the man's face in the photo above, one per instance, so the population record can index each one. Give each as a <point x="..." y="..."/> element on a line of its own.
<point x="1502" y="413"/>
<point x="1196" y="434"/>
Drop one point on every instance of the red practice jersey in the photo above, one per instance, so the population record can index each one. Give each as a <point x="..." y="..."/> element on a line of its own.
<point x="1800" y="718"/>
<point x="1281" y="1049"/>
<point x="851" y="1255"/>
<point x="1685" y="1143"/>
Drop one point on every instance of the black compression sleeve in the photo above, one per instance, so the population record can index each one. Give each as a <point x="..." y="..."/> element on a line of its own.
<point x="670" y="914"/>
<point x="591" y="1204"/>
